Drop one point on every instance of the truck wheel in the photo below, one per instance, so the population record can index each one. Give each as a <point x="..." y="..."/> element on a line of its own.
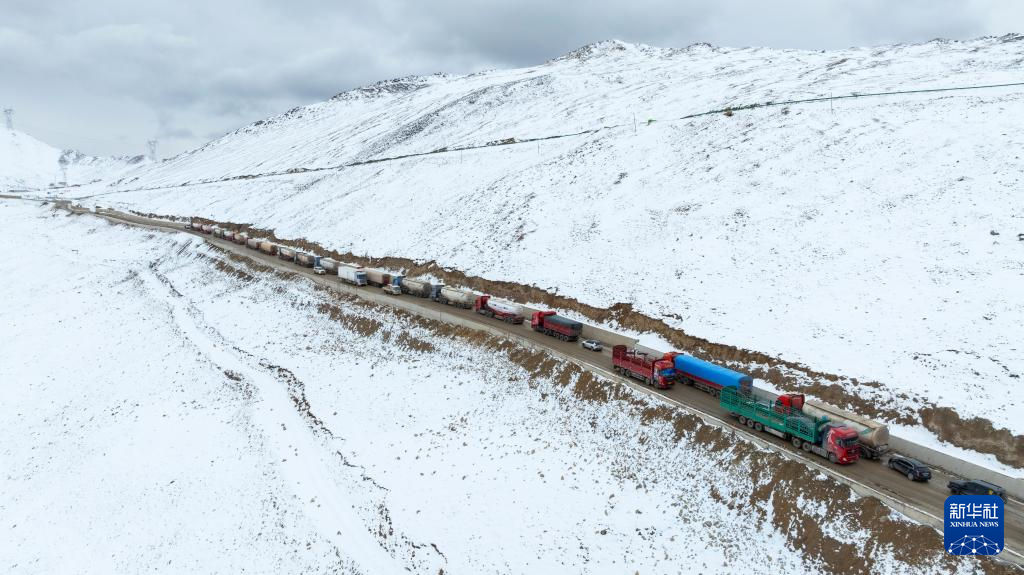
<point x="832" y="457"/>
<point x="758" y="426"/>
<point x="750" y="423"/>
<point x="806" y="446"/>
<point x="743" y="420"/>
<point x="796" y="442"/>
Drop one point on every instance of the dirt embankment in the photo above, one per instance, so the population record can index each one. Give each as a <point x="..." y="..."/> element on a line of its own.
<point x="976" y="433"/>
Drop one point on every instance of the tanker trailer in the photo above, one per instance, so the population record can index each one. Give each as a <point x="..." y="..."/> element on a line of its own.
<point x="456" y="297"/>
<point x="330" y="266"/>
<point x="252" y="244"/>
<point x="206" y="229"/>
<point x="241" y="238"/>
<point x="287" y="254"/>
<point x="496" y="308"/>
<point x="873" y="436"/>
<point x="269" y="248"/>
<point x="421" y="287"/>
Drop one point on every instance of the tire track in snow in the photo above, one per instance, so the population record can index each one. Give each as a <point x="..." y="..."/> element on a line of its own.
<point x="309" y="472"/>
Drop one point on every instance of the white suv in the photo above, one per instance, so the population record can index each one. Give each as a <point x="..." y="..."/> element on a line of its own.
<point x="592" y="344"/>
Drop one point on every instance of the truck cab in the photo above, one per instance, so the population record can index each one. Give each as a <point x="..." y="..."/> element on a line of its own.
<point x="842" y="445"/>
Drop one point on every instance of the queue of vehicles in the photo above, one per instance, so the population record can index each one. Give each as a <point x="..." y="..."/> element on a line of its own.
<point x="837" y="435"/>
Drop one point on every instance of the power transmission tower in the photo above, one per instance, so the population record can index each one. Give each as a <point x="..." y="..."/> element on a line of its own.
<point x="152" y="149"/>
<point x="9" y="113"/>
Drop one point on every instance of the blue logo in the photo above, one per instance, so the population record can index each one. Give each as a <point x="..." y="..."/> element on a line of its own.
<point x="973" y="525"/>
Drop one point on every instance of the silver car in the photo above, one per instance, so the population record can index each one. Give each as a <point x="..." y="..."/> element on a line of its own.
<point x="592" y="344"/>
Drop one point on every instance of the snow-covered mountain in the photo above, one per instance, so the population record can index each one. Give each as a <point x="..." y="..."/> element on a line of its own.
<point x="26" y="162"/>
<point x="874" y="237"/>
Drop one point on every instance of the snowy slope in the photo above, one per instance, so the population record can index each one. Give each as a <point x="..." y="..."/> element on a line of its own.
<point x="173" y="410"/>
<point x="874" y="238"/>
<point x="26" y="162"/>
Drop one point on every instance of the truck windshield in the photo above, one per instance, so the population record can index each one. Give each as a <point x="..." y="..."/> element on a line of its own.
<point x="849" y="442"/>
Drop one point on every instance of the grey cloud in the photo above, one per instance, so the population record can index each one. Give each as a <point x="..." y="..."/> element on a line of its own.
<point x="107" y="75"/>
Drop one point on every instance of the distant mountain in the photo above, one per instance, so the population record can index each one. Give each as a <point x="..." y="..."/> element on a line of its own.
<point x="26" y="162"/>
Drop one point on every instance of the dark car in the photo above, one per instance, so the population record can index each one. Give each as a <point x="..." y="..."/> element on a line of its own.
<point x="975" y="487"/>
<point x="912" y="468"/>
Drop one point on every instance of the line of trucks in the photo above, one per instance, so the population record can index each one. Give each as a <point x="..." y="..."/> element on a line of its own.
<point x="837" y="435"/>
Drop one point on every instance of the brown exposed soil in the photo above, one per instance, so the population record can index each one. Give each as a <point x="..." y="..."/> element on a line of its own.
<point x="976" y="434"/>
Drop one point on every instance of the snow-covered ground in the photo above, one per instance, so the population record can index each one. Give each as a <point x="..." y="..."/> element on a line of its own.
<point x="27" y="163"/>
<point x="874" y="238"/>
<point x="166" y="408"/>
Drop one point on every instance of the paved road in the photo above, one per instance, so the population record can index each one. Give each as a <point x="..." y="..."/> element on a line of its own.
<point x="927" y="497"/>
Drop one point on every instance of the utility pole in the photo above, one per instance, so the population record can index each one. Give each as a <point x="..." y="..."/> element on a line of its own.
<point x="9" y="113"/>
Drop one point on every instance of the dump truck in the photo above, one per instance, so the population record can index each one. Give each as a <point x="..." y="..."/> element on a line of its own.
<point x="287" y="254"/>
<point x="548" y="322"/>
<point x="783" y="416"/>
<point x="269" y="248"/>
<point x="456" y="297"/>
<point x="421" y="287"/>
<point x="707" y="376"/>
<point x="352" y="274"/>
<point x="252" y="244"/>
<point x="658" y="372"/>
<point x="305" y="260"/>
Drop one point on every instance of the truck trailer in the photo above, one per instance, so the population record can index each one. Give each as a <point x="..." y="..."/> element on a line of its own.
<point x="507" y="312"/>
<point x="330" y="266"/>
<point x="252" y="244"/>
<point x="784" y="417"/>
<point x="287" y="254"/>
<point x="708" y="376"/>
<point x="421" y="287"/>
<point x="305" y="260"/>
<point x="241" y="238"/>
<point x="456" y="297"/>
<point x="352" y="274"/>
<point x="660" y="373"/>
<point x="873" y="436"/>
<point x="269" y="248"/>
<point x="547" y="322"/>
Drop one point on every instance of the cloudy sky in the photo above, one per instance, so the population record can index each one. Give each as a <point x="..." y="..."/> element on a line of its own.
<point x="104" y="76"/>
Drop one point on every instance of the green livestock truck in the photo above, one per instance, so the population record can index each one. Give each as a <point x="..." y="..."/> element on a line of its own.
<point x="783" y="417"/>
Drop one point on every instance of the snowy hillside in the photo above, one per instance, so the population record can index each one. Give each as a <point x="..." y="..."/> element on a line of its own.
<point x="230" y="419"/>
<point x="27" y="163"/>
<point x="875" y="237"/>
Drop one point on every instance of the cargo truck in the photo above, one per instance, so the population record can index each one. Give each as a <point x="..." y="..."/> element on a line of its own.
<point x="287" y="254"/>
<point x="456" y="297"/>
<point x="505" y="311"/>
<point x="269" y="248"/>
<point x="383" y="279"/>
<point x="351" y="274"/>
<point x="547" y="322"/>
<point x="660" y="373"/>
<point x="708" y="376"/>
<point x="784" y="417"/>
<point x="421" y="287"/>
<point x="305" y="260"/>
<point x="330" y="266"/>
